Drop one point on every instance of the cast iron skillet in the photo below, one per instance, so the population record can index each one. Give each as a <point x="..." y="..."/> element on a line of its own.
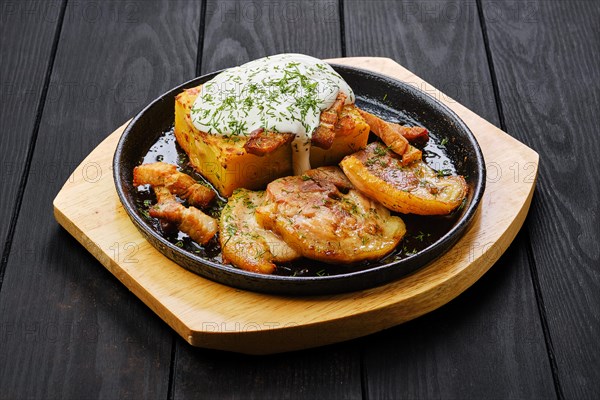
<point x="370" y="89"/>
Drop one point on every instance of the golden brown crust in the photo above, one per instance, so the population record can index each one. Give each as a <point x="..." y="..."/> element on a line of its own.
<point x="411" y="155"/>
<point x="199" y="226"/>
<point x="244" y="243"/>
<point x="324" y="135"/>
<point x="331" y="174"/>
<point x="393" y="137"/>
<point x="263" y="142"/>
<point x="390" y="136"/>
<point x="178" y="183"/>
<point x="414" y="134"/>
<point x="412" y="189"/>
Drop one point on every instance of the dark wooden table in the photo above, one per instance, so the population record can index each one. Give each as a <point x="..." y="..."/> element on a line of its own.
<point x="72" y="71"/>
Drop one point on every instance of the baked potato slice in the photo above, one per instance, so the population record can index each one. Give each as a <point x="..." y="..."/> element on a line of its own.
<point x="244" y="243"/>
<point x="413" y="189"/>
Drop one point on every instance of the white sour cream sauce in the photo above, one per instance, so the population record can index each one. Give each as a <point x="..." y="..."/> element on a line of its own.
<point x="280" y="93"/>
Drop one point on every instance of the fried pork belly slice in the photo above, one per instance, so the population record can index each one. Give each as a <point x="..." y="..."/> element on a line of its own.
<point x="313" y="216"/>
<point x="413" y="189"/>
<point x="244" y="243"/>
<point x="414" y="134"/>
<point x="331" y="174"/>
<point x="263" y="142"/>
<point x="178" y="183"/>
<point x="324" y="134"/>
<point x="393" y="137"/>
<point x="199" y="226"/>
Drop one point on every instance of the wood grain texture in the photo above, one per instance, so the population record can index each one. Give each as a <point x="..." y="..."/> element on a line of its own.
<point x="27" y="34"/>
<point x="440" y="41"/>
<point x="461" y="350"/>
<point x="331" y="372"/>
<point x="207" y="314"/>
<point x="237" y="32"/>
<point x="546" y="57"/>
<point x="69" y="329"/>
<point x="443" y="41"/>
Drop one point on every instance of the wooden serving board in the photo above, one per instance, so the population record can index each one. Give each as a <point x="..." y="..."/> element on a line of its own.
<point x="211" y="315"/>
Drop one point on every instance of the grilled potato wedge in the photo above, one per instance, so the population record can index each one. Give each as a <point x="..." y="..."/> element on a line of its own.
<point x="413" y="189"/>
<point x="243" y="242"/>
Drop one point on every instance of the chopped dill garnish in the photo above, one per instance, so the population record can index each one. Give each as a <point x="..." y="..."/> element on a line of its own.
<point x="443" y="172"/>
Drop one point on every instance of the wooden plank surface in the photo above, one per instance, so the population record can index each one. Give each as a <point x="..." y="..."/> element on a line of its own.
<point x="442" y="42"/>
<point x="27" y="35"/>
<point x="460" y="352"/>
<point x="331" y="372"/>
<point x="237" y="32"/>
<point x="546" y="56"/>
<point x="69" y="329"/>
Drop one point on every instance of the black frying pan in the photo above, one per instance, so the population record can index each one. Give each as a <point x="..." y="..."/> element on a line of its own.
<point x="387" y="97"/>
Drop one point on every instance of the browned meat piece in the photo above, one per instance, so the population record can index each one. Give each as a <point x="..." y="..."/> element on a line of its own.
<point x="416" y="188"/>
<point x="330" y="174"/>
<point x="324" y="135"/>
<point x="392" y="136"/>
<point x="324" y="224"/>
<point x="412" y="154"/>
<point x="178" y="183"/>
<point x="244" y="243"/>
<point x="414" y="134"/>
<point x="199" y="226"/>
<point x="262" y="142"/>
